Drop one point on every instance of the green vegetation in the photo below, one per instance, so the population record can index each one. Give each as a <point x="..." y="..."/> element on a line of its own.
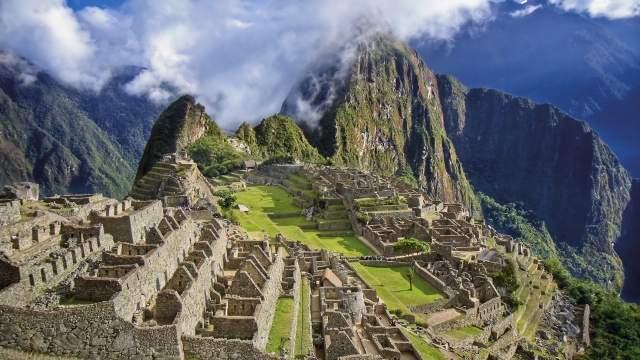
<point x="512" y="301"/>
<point x="226" y="199"/>
<point x="214" y="155"/>
<point x="512" y="220"/>
<point x="276" y="139"/>
<point x="363" y="218"/>
<point x="393" y="288"/>
<point x="71" y="141"/>
<point x="616" y="324"/>
<point x="405" y="173"/>
<point x="368" y="202"/>
<point x="410" y="246"/>
<point x="263" y="200"/>
<point x="507" y="277"/>
<point x="464" y="332"/>
<point x="281" y="326"/>
<point x="303" y="332"/>
<point x="427" y="351"/>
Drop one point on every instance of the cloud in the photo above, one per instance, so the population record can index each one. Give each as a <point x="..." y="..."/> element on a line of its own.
<point x="613" y="9"/>
<point x="238" y="57"/>
<point x="526" y="11"/>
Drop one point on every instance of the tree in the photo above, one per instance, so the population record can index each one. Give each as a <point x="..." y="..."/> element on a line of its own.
<point x="410" y="276"/>
<point x="410" y="246"/>
<point x="226" y="199"/>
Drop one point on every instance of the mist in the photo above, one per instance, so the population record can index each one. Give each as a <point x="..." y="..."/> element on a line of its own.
<point x="239" y="58"/>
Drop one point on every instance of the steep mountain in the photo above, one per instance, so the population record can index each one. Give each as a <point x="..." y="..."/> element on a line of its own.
<point x="68" y="140"/>
<point x="516" y="151"/>
<point x="180" y="124"/>
<point x="378" y="109"/>
<point x="628" y="246"/>
<point x="277" y="137"/>
<point x="562" y="58"/>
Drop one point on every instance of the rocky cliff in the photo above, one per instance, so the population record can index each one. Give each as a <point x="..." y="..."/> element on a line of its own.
<point x="517" y="151"/>
<point x="628" y="246"/>
<point x="180" y="124"/>
<point x="374" y="105"/>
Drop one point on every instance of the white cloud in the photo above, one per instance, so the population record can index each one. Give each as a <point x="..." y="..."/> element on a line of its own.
<point x="526" y="11"/>
<point x="238" y="57"/>
<point x="48" y="33"/>
<point x="614" y="9"/>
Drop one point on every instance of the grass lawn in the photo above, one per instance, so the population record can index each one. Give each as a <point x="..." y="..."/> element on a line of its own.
<point x="303" y="330"/>
<point x="299" y="178"/>
<point x="263" y="200"/>
<point x="392" y="287"/>
<point x="281" y="326"/>
<point x="427" y="351"/>
<point x="464" y="333"/>
<point x="341" y="220"/>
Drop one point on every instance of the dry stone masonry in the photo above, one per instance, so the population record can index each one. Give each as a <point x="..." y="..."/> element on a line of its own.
<point x="157" y="275"/>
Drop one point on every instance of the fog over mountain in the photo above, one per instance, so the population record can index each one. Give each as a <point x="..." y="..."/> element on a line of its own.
<point x="239" y="58"/>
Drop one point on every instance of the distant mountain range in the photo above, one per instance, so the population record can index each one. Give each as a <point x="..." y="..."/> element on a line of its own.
<point x="589" y="68"/>
<point x="71" y="141"/>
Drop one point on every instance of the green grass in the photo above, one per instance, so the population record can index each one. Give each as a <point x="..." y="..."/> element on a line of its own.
<point x="303" y="332"/>
<point x="281" y="325"/>
<point x="427" y="351"/>
<point x="392" y="287"/>
<point x="263" y="200"/>
<point x="299" y="178"/>
<point x="323" y="220"/>
<point x="464" y="333"/>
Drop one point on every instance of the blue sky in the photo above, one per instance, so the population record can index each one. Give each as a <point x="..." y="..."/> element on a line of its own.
<point x="80" y="4"/>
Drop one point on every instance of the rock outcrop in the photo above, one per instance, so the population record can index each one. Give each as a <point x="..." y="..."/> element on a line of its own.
<point x="517" y="151"/>
<point x="628" y="246"/>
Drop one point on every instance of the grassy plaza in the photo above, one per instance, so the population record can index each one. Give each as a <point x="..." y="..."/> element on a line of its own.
<point x="263" y="200"/>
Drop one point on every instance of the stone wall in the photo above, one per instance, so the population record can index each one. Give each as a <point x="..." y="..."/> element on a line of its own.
<point x="131" y="227"/>
<point x="85" y="331"/>
<point x="200" y="214"/>
<point x="21" y="191"/>
<point x="9" y="212"/>
<point x="271" y="291"/>
<point x="334" y="225"/>
<point x="505" y="339"/>
<point x="431" y="279"/>
<point x="296" y="302"/>
<point x="469" y="318"/>
<point x="235" y="327"/>
<point x="437" y="305"/>
<point x="384" y="263"/>
<point x="45" y="272"/>
<point x="223" y="349"/>
<point x="158" y="268"/>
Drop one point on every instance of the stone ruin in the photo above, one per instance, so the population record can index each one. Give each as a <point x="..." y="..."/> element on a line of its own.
<point x="142" y="280"/>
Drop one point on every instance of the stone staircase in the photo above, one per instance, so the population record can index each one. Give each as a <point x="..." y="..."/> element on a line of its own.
<point x="158" y="182"/>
